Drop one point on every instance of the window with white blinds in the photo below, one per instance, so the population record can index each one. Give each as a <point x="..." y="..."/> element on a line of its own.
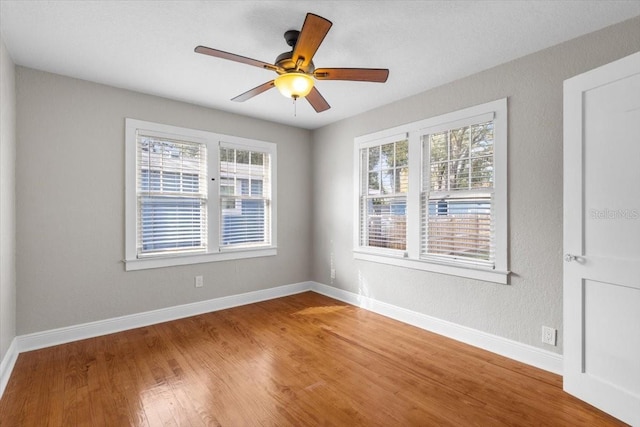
<point x="245" y="199"/>
<point x="383" y="197"/>
<point x="194" y="196"/>
<point x="432" y="194"/>
<point x="457" y="194"/>
<point x="171" y="195"/>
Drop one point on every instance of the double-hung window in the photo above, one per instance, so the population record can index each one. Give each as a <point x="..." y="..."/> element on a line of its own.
<point x="195" y="196"/>
<point x="171" y="196"/>
<point x="245" y="200"/>
<point x="383" y="196"/>
<point x="457" y="194"/>
<point x="431" y="195"/>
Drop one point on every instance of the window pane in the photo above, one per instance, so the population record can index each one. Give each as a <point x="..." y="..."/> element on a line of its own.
<point x="374" y="183"/>
<point x="386" y="222"/>
<point x="190" y="183"/>
<point x="149" y="181"/>
<point x="374" y="158"/>
<point x="482" y="172"/>
<point x="171" y="224"/>
<point x="227" y="187"/>
<point x="242" y="156"/>
<point x="226" y="154"/>
<point x="244" y="224"/>
<point x="402" y="153"/>
<point x="256" y="187"/>
<point x="482" y="139"/>
<point x="402" y="180"/>
<point x="460" y="228"/>
<point x="459" y="143"/>
<point x="459" y="174"/>
<point x="439" y="147"/>
<point x="388" y="185"/>
<point x="387" y="152"/>
<point x="440" y="176"/>
<point x="171" y="181"/>
<point x="244" y="186"/>
<point x="257" y="158"/>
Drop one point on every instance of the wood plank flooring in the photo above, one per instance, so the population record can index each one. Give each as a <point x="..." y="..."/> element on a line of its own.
<point x="303" y="360"/>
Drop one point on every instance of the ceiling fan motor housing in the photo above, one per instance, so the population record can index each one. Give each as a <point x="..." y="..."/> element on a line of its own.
<point x="286" y="64"/>
<point x="284" y="60"/>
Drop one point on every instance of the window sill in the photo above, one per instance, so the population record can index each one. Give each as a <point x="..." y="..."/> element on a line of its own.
<point x="169" y="261"/>
<point x="453" y="270"/>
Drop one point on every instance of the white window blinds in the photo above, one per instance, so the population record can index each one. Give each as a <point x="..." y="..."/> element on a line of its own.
<point x="383" y="195"/>
<point x="245" y="197"/>
<point x="457" y="194"/>
<point x="171" y="195"/>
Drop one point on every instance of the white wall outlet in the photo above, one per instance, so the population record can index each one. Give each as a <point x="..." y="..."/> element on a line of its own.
<point x="548" y="335"/>
<point x="199" y="281"/>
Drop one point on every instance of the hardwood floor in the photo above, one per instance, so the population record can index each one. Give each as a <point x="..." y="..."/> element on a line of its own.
<point x="300" y="360"/>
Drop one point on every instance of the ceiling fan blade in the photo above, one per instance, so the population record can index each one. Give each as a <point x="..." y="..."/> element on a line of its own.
<point x="314" y="29"/>
<point x="317" y="101"/>
<point x="233" y="57"/>
<point x="253" y="92"/>
<point x="378" y="75"/>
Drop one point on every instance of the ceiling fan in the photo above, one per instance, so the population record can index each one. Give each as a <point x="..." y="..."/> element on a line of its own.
<point x="296" y="71"/>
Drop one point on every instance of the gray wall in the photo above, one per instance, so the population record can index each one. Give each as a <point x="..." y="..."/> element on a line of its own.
<point x="70" y="200"/>
<point x="533" y="298"/>
<point x="7" y="200"/>
<point x="70" y="205"/>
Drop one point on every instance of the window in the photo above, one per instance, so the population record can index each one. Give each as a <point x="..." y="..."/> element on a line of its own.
<point x="195" y="196"/>
<point x="244" y="196"/>
<point x="431" y="195"/>
<point x="383" y="201"/>
<point x="457" y="194"/>
<point x="171" y="196"/>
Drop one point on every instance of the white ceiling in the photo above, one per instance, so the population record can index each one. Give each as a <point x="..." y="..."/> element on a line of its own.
<point x="147" y="46"/>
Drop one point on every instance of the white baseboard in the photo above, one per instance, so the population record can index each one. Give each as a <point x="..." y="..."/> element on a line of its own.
<point x="512" y="349"/>
<point x="524" y="353"/>
<point x="7" y="363"/>
<point x="67" y="334"/>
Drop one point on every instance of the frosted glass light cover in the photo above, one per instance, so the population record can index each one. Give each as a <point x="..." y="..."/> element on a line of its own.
<point x="294" y="85"/>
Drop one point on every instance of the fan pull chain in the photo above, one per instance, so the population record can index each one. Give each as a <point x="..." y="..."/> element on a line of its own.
<point x="295" y="106"/>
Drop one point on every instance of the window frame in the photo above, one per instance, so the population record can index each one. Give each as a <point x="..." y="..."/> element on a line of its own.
<point x="215" y="250"/>
<point x="411" y="257"/>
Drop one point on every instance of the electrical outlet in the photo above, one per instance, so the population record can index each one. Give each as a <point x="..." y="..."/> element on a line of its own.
<point x="548" y="335"/>
<point x="199" y="281"/>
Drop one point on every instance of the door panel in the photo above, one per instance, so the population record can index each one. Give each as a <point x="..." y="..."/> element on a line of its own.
<point x="608" y="308"/>
<point x="611" y="169"/>
<point x="602" y="238"/>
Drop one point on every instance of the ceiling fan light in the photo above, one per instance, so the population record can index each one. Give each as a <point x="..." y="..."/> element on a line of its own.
<point x="294" y="85"/>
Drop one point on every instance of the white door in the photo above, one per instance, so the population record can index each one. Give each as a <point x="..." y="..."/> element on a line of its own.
<point x="602" y="238"/>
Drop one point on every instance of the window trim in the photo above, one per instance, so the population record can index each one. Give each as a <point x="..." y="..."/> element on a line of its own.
<point x="414" y="131"/>
<point x="214" y="251"/>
